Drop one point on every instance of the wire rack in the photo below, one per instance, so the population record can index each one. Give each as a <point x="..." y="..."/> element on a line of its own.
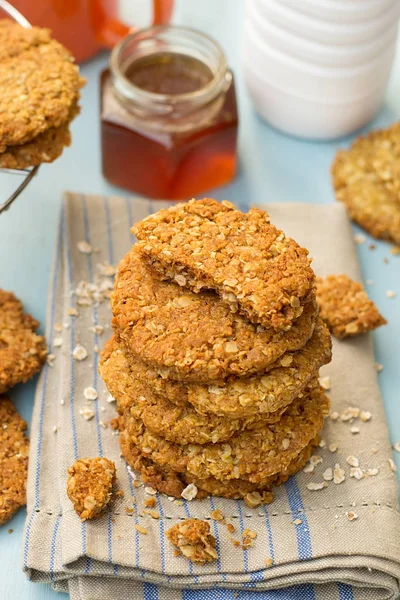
<point x="26" y="174"/>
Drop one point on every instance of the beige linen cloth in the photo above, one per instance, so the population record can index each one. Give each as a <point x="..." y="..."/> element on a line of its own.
<point x="306" y="534"/>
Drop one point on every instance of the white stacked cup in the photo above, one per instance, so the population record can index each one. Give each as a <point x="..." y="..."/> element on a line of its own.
<point x="319" y="68"/>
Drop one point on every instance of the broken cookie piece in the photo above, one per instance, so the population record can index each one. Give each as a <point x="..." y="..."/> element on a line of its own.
<point x="14" y="450"/>
<point x="90" y="486"/>
<point x="345" y="306"/>
<point x="193" y="539"/>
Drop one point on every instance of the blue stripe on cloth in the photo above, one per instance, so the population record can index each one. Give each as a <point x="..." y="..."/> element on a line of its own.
<point x="96" y="322"/>
<point x="132" y="490"/>
<point x="298" y="592"/>
<point x="216" y="535"/>
<point x="269" y="531"/>
<point x="150" y="591"/>
<point x="345" y="591"/>
<point x="297" y="508"/>
<point x="109" y="542"/>
<point x="42" y="400"/>
<point x="53" y="547"/>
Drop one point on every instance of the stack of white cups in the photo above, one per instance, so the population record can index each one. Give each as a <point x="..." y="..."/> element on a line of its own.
<point x="319" y="68"/>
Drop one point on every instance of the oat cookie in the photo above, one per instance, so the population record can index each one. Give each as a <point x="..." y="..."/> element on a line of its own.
<point x="180" y="422"/>
<point x="193" y="540"/>
<point x="22" y="351"/>
<point x="39" y="83"/>
<point x="172" y="483"/>
<point x="14" y="451"/>
<point x="345" y="306"/>
<point x="90" y="485"/>
<point x="207" y="341"/>
<point x="253" y="456"/>
<point x="366" y="179"/>
<point x="46" y="147"/>
<point x="253" y="266"/>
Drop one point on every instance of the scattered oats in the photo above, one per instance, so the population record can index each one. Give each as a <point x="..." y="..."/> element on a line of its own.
<point x="395" y="251"/>
<point x="217" y="515"/>
<point x="396" y="446"/>
<point x="62" y="401"/>
<point x="313" y="486"/>
<point x="190" y="492"/>
<point x="378" y="367"/>
<point x="178" y="502"/>
<point x="57" y="342"/>
<point x="106" y="269"/>
<point x="333" y="447"/>
<point x="153" y="514"/>
<point x="72" y="312"/>
<point x="110" y="398"/>
<point x="84" y="247"/>
<point x="66" y="325"/>
<point x="390" y="294"/>
<point x="327" y="475"/>
<point x="322" y="443"/>
<point x="55" y="429"/>
<point x="230" y="527"/>
<point x="90" y="393"/>
<point x="102" y="408"/>
<point x="352" y="461"/>
<point x="352" y="516"/>
<point x="356" y="472"/>
<point x="141" y="529"/>
<point x="338" y="474"/>
<point x="150" y="502"/>
<point x="334" y="416"/>
<point x="349" y="413"/>
<point x="253" y="499"/>
<point x="150" y="490"/>
<point x="103" y="424"/>
<point x="269" y="562"/>
<point x="315" y="459"/>
<point x="369" y="281"/>
<point x="79" y="352"/>
<point x="309" y="468"/>
<point x="50" y="359"/>
<point x="354" y="430"/>
<point x="297" y="522"/>
<point x="86" y="413"/>
<point x="97" y="329"/>
<point x="374" y="450"/>
<point x="365" y="415"/>
<point x="359" y="238"/>
<point x="58" y="327"/>
<point x="372" y="472"/>
<point x="325" y="383"/>
<point x="392" y="465"/>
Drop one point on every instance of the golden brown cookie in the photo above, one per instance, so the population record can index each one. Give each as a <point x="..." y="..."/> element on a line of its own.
<point x="179" y="422"/>
<point x="193" y="540"/>
<point x="90" y="486"/>
<point x="45" y="147"/>
<point x="39" y="83"/>
<point x="14" y="451"/>
<point x="366" y="179"/>
<point x="253" y="456"/>
<point x="22" y="351"/>
<point x="193" y="337"/>
<point x="253" y="266"/>
<point x="172" y="483"/>
<point x="345" y="306"/>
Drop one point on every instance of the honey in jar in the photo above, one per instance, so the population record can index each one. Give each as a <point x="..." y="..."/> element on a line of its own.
<point x="168" y="114"/>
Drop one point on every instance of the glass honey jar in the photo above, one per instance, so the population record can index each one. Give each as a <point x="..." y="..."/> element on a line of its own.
<point x="168" y="114"/>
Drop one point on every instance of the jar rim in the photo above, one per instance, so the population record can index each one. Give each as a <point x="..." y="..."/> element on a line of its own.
<point x="130" y="90"/>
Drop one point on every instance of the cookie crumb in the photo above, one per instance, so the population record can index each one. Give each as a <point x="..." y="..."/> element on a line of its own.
<point x="351" y="516"/>
<point x="190" y="492"/>
<point x="79" y="352"/>
<point x="141" y="529"/>
<point x="217" y="515"/>
<point x="193" y="540"/>
<point x="90" y="486"/>
<point x="268" y="562"/>
<point x="84" y="247"/>
<point x="90" y="393"/>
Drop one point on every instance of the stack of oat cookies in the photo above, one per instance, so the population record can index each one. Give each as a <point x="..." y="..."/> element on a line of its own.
<point x="216" y="351"/>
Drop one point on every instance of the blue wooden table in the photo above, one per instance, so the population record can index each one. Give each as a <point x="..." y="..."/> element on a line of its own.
<point x="273" y="167"/>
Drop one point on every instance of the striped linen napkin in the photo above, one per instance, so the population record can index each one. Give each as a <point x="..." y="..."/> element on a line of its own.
<point x="315" y="551"/>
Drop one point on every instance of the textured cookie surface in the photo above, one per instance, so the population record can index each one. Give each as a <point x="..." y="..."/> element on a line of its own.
<point x="366" y="179"/>
<point x="193" y="337"/>
<point x="90" y="485"/>
<point x="177" y="422"/>
<point x="39" y="83"/>
<point x="345" y="306"/>
<point x="22" y="351"/>
<point x="14" y="451"/>
<point x="193" y="539"/>
<point x="253" y="456"/>
<point x="251" y="265"/>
